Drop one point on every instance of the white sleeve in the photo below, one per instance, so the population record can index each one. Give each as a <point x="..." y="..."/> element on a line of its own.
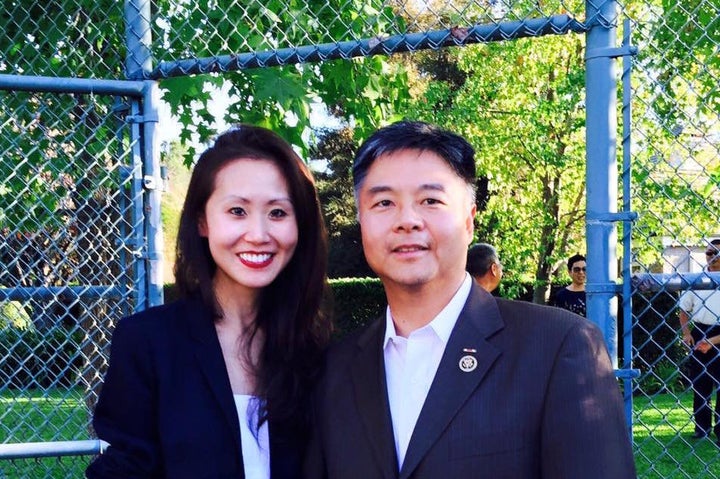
<point x="687" y="302"/>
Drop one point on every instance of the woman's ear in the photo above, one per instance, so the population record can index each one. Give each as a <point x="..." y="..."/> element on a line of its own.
<point x="202" y="227"/>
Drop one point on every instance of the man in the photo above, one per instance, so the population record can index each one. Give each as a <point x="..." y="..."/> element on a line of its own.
<point x="572" y="297"/>
<point x="453" y="382"/>
<point x="484" y="266"/>
<point x="700" y="319"/>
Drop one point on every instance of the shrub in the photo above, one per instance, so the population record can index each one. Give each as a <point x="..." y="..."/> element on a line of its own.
<point x="13" y="315"/>
<point x="48" y="359"/>
<point x="356" y="302"/>
<point x="662" y="377"/>
<point x="656" y="342"/>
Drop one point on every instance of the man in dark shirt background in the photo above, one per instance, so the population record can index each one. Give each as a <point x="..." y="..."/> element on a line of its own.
<point x="572" y="296"/>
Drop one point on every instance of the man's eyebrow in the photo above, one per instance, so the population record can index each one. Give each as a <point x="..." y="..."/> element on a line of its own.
<point x="379" y="189"/>
<point x="432" y="187"/>
<point x="423" y="187"/>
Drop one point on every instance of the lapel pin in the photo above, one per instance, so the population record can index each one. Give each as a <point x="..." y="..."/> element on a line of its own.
<point x="468" y="363"/>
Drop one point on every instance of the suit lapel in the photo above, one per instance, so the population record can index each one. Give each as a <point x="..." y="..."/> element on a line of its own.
<point x="211" y="363"/>
<point x="452" y="386"/>
<point x="370" y="388"/>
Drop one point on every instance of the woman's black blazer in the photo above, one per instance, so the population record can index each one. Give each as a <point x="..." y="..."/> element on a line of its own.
<point x="167" y="408"/>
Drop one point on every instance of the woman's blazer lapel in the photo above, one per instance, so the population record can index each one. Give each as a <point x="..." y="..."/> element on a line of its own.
<point x="209" y="358"/>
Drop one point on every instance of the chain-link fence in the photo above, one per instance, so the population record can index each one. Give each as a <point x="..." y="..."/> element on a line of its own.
<point x="78" y="217"/>
<point x="675" y="175"/>
<point x="70" y="225"/>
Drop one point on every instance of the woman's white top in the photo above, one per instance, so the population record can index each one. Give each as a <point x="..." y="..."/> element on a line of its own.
<point x="255" y="450"/>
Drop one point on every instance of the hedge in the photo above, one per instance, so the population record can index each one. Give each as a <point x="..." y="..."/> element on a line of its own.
<point x="356" y="302"/>
<point x="29" y="358"/>
<point x="47" y="359"/>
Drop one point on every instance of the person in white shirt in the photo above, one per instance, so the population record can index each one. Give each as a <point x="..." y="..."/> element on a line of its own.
<point x="700" y="324"/>
<point x="453" y="382"/>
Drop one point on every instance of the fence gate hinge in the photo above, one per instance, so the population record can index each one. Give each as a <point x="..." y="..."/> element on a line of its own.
<point x="142" y="119"/>
<point x="149" y="182"/>
<point x="612" y="52"/>
<point x="596" y="218"/>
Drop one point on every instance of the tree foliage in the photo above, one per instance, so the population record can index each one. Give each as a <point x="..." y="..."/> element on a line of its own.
<point x="368" y="90"/>
<point x="676" y="127"/>
<point x="335" y="149"/>
<point x="520" y="103"/>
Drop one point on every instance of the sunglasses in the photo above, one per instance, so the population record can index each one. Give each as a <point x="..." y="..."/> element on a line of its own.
<point x="711" y="253"/>
<point x="577" y="269"/>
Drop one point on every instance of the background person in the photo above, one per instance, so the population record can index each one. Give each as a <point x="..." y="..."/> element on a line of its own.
<point x="700" y="320"/>
<point x="484" y="266"/>
<point x="453" y="382"/>
<point x="216" y="384"/>
<point x="572" y="297"/>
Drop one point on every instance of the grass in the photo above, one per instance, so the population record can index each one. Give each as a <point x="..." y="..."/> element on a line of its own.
<point x="662" y="426"/>
<point x="39" y="416"/>
<point x="662" y="429"/>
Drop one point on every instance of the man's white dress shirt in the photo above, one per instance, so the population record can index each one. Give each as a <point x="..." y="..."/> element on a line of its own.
<point x="411" y="363"/>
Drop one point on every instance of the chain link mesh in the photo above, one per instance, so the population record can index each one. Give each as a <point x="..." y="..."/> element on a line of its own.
<point x="60" y="38"/>
<point x="66" y="223"/>
<point x="676" y="190"/>
<point x="68" y="198"/>
<point x="228" y="27"/>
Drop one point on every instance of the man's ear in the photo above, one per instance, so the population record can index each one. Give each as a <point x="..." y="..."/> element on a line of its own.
<point x="470" y="223"/>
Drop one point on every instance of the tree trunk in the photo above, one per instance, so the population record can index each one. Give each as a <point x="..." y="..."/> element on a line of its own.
<point x="540" y="293"/>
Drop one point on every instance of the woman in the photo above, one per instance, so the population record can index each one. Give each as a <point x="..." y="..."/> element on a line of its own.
<point x="217" y="384"/>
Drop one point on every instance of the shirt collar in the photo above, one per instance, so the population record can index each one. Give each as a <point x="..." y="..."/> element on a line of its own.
<point x="444" y="322"/>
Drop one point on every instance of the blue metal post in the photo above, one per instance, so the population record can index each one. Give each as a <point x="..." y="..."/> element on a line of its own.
<point x="136" y="242"/>
<point x="406" y="42"/>
<point x="35" y="83"/>
<point x="627" y="228"/>
<point x="601" y="168"/>
<point x="153" y="184"/>
<point x="138" y="39"/>
<point x="138" y="66"/>
<point x="35" y="450"/>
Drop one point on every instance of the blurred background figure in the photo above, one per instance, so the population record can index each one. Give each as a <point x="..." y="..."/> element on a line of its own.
<point x="484" y="266"/>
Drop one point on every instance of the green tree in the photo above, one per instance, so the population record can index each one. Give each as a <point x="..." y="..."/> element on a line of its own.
<point x="675" y="132"/>
<point x="365" y="89"/>
<point x="335" y="150"/>
<point x="521" y="105"/>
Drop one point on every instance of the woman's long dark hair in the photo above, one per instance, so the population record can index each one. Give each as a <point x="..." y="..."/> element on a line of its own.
<point x="289" y="317"/>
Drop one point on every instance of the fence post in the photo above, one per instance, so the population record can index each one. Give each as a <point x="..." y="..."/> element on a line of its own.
<point x="601" y="168"/>
<point x="138" y="66"/>
<point x="138" y="37"/>
<point x="153" y="184"/>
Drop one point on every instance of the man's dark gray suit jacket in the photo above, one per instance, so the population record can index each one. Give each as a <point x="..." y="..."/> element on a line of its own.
<point x="542" y="402"/>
